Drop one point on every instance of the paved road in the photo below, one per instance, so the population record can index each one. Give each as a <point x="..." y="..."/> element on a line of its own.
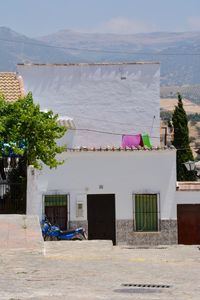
<point x="32" y="269"/>
<point x="96" y="270"/>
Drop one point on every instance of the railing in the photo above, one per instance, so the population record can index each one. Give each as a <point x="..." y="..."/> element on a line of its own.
<point x="13" y="198"/>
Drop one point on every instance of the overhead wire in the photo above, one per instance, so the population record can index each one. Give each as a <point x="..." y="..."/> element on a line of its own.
<point x="120" y="134"/>
<point x="115" y="122"/>
<point x="111" y="132"/>
<point x="106" y="132"/>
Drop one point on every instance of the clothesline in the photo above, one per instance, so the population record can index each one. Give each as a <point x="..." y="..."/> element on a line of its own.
<point x="136" y="141"/>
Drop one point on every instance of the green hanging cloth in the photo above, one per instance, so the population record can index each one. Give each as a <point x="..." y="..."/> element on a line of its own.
<point x="146" y="140"/>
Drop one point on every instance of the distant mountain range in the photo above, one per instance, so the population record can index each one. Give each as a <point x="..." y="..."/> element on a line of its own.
<point x="17" y="48"/>
<point x="179" y="53"/>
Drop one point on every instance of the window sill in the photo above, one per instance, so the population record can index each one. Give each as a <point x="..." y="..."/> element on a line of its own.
<point x="146" y="232"/>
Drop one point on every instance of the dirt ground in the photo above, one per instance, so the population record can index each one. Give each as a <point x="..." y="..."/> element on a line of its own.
<point x="169" y="104"/>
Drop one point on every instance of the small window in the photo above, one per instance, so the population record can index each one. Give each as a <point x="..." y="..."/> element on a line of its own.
<point x="146" y="212"/>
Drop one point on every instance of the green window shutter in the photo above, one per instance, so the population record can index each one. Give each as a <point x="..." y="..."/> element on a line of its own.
<point x="146" y="212"/>
<point x="55" y="200"/>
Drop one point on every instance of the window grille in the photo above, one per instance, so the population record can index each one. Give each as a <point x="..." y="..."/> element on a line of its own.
<point x="55" y="200"/>
<point x="146" y="212"/>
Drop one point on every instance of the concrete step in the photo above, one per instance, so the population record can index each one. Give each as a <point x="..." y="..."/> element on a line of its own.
<point x="20" y="232"/>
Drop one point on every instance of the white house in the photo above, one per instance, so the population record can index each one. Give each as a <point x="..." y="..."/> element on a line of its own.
<point x="121" y="98"/>
<point x="127" y="195"/>
<point x="109" y="191"/>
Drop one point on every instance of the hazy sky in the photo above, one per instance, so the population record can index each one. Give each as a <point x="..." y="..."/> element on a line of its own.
<point x="40" y="17"/>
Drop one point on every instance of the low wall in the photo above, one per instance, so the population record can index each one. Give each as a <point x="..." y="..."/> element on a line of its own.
<point x="167" y="234"/>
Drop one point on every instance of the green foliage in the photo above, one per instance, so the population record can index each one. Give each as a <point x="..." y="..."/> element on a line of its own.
<point x="165" y="115"/>
<point x="181" y="142"/>
<point x="194" y="117"/>
<point x="23" y="122"/>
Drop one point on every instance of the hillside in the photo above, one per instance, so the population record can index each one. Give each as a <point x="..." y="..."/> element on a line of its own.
<point x="190" y="92"/>
<point x="168" y="104"/>
<point x="178" y="53"/>
<point x="17" y="48"/>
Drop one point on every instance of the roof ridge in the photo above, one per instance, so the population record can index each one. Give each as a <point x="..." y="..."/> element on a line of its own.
<point x="118" y="149"/>
<point x="88" y="64"/>
<point x="8" y="73"/>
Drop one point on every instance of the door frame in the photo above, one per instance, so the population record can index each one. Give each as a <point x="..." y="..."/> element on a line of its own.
<point x="115" y="221"/>
<point x="179" y="205"/>
<point x="59" y="194"/>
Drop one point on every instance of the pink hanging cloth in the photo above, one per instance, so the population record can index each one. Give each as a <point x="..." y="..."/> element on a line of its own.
<point x="130" y="141"/>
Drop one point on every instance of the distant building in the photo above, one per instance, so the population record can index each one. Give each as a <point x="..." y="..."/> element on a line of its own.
<point x="11" y="86"/>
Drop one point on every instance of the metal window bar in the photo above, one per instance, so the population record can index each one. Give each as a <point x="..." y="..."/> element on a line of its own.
<point x="55" y="200"/>
<point x="13" y="198"/>
<point x="146" y="212"/>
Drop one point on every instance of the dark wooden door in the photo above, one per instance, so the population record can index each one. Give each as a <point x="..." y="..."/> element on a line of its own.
<point x="56" y="209"/>
<point x="188" y="217"/>
<point x="101" y="217"/>
<point x="57" y="215"/>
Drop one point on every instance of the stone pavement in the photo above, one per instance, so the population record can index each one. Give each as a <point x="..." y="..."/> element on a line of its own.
<point x="96" y="270"/>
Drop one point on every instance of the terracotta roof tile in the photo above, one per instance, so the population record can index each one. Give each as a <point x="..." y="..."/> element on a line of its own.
<point x="11" y="86"/>
<point x="188" y="186"/>
<point x="117" y="149"/>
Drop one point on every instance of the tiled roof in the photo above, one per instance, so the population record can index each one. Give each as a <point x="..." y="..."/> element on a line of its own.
<point x="118" y="149"/>
<point x="188" y="186"/>
<point x="11" y="86"/>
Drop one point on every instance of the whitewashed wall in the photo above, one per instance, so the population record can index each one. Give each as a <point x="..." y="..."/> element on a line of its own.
<point x="119" y="98"/>
<point x="120" y="173"/>
<point x="188" y="197"/>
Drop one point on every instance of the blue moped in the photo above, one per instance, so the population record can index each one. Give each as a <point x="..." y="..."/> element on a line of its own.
<point x="54" y="233"/>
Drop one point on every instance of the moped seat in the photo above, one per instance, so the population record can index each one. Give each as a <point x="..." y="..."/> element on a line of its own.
<point x="67" y="231"/>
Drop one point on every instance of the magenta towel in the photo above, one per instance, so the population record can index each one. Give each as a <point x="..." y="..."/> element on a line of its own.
<point x="131" y="141"/>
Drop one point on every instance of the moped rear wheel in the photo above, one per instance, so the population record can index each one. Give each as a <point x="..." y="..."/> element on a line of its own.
<point x="78" y="238"/>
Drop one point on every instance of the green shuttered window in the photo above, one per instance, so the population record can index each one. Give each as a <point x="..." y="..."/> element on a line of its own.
<point x="146" y="212"/>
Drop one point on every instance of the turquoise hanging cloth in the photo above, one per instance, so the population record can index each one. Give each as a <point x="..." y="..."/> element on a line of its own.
<point x="146" y="140"/>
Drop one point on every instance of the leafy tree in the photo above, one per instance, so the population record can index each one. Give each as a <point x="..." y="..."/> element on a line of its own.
<point x="30" y="132"/>
<point x="181" y="142"/>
